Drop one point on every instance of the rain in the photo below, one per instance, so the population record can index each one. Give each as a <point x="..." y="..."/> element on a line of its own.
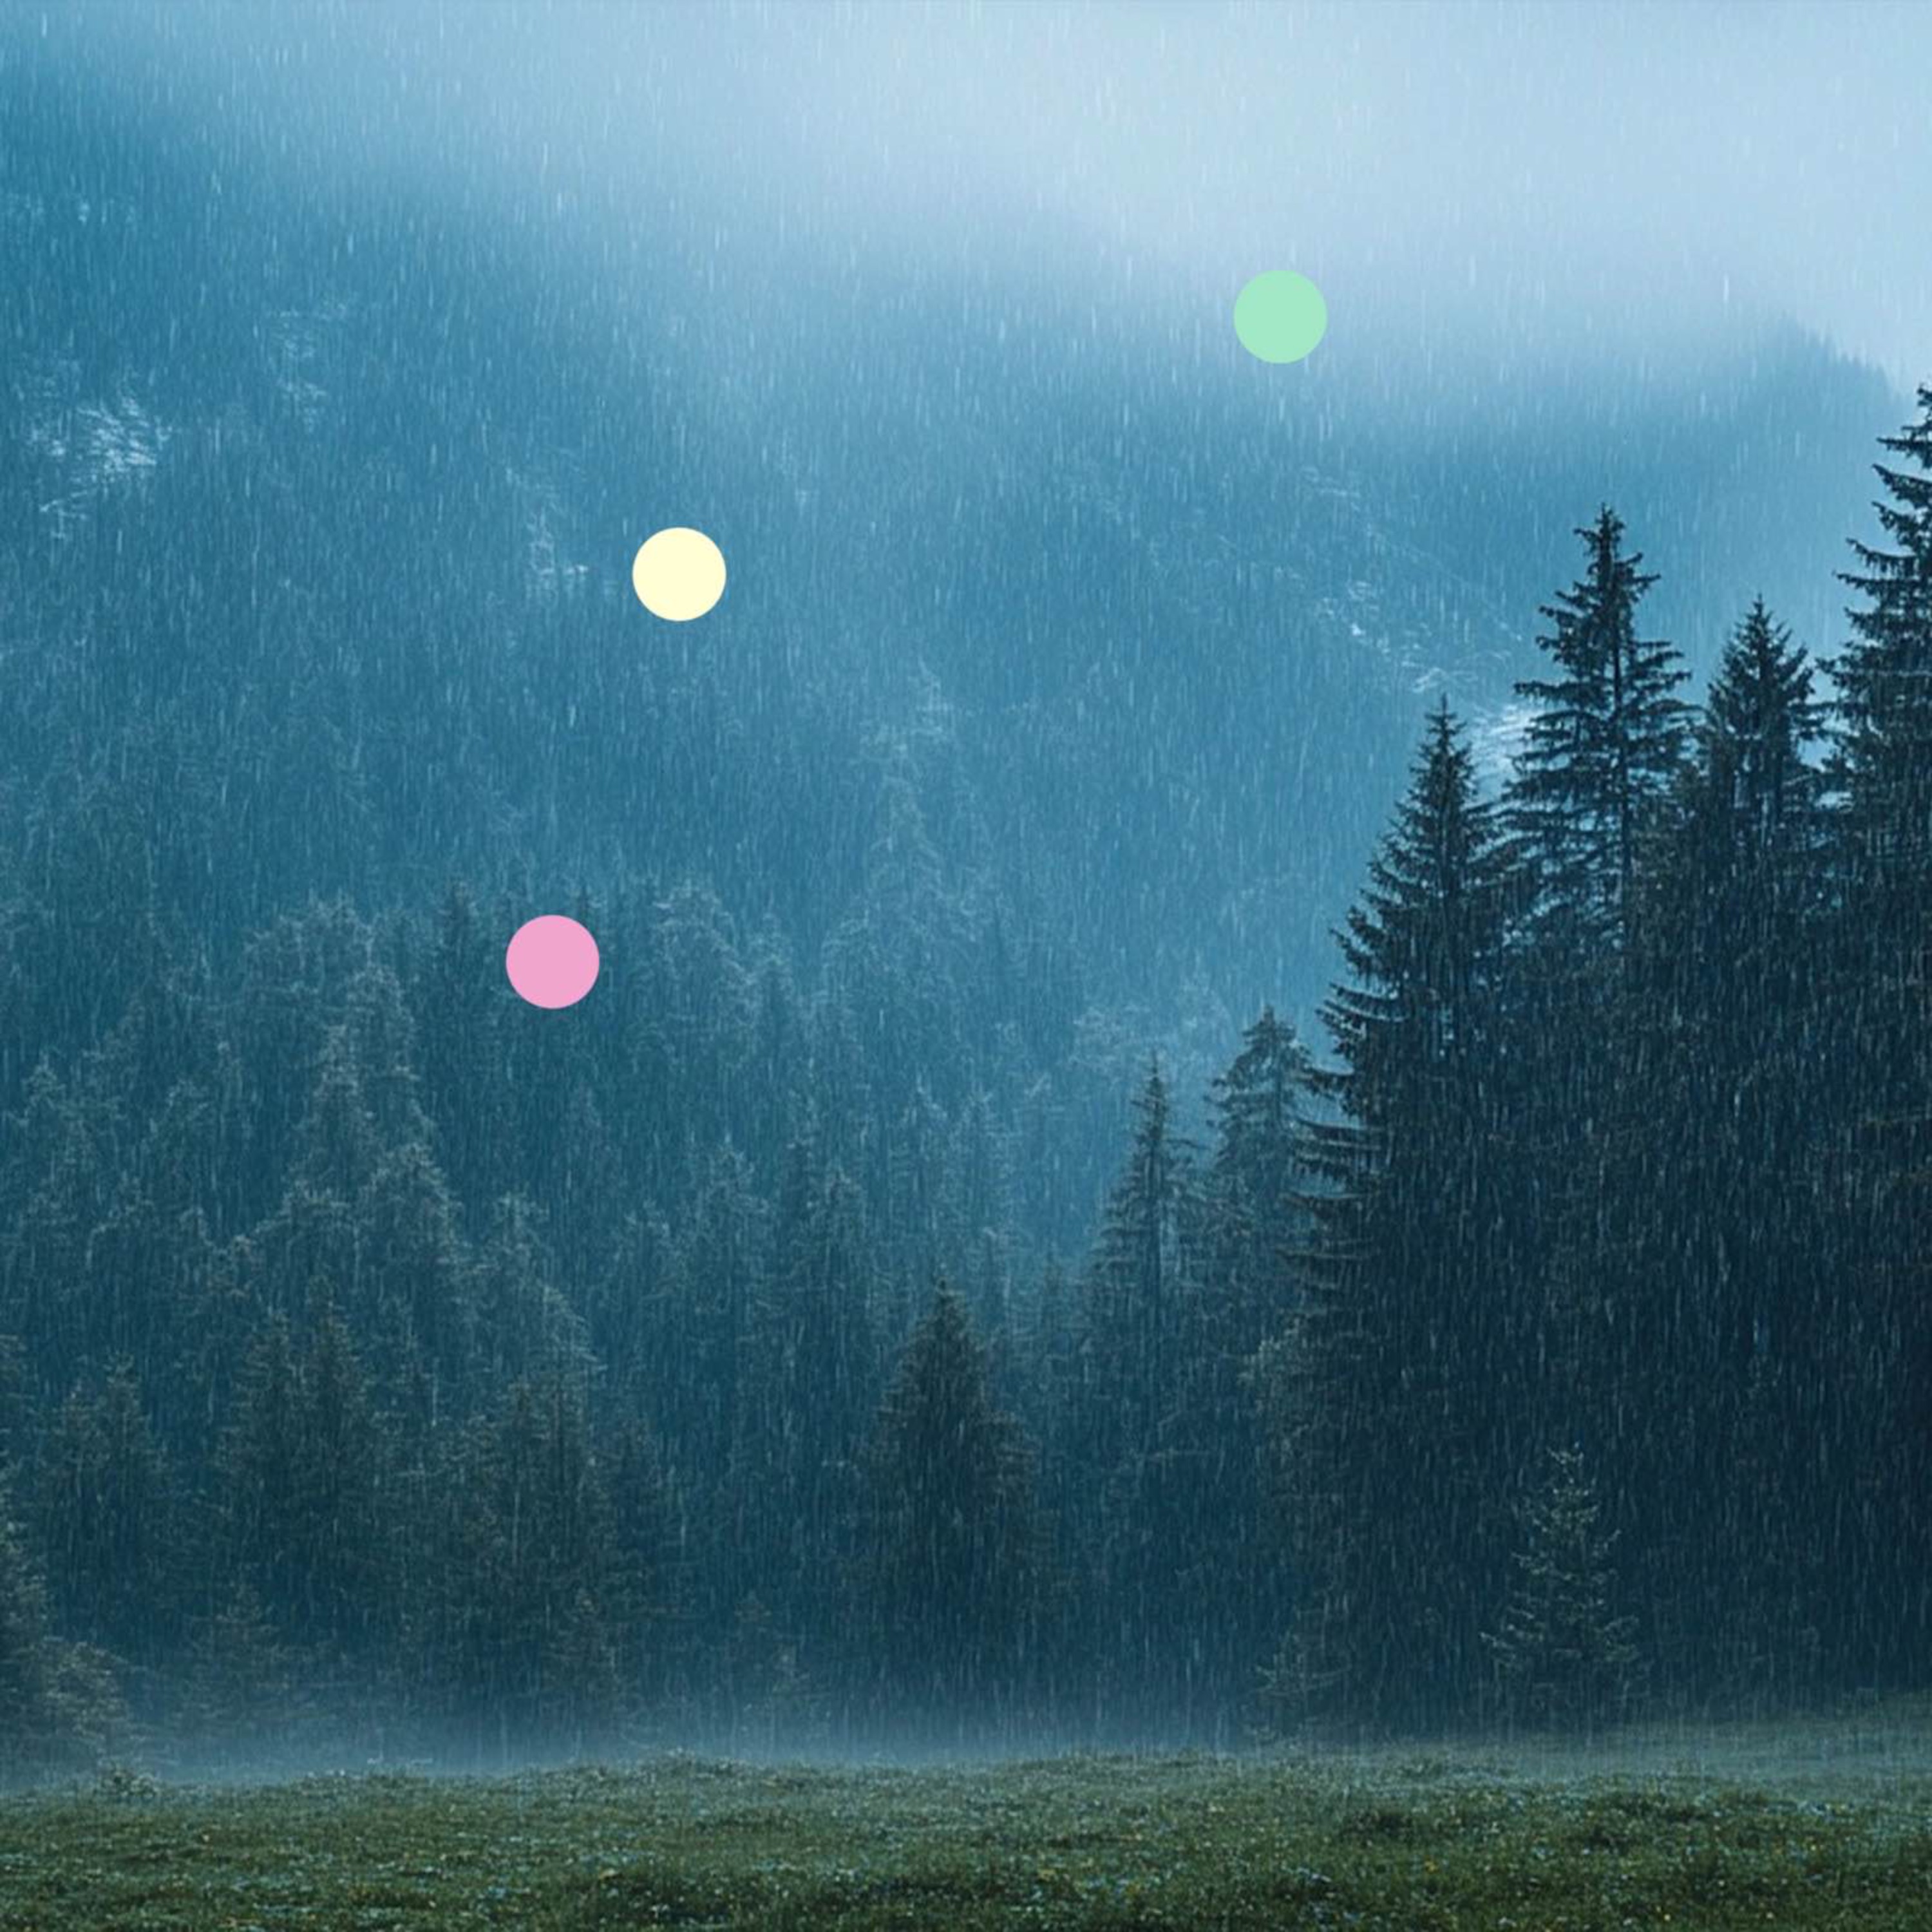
<point x="965" y="964"/>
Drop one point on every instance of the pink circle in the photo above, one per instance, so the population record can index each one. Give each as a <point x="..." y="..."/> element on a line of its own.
<point x="552" y="961"/>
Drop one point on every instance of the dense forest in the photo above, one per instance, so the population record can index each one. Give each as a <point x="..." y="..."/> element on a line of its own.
<point x="955" y="1280"/>
<point x="385" y="1361"/>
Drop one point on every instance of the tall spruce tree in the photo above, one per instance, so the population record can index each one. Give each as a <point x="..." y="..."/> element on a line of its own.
<point x="1601" y="761"/>
<point x="718" y="1279"/>
<point x="105" y="1518"/>
<point x="1882" y="772"/>
<point x="258" y="1466"/>
<point x="1212" y="1577"/>
<point x="1884" y="676"/>
<point x="1143" y="1280"/>
<point x="1752" y="792"/>
<point x="951" y="1566"/>
<point x="416" y="1282"/>
<point x="1254" y="1183"/>
<point x="460" y="1004"/>
<point x="1399" y="1389"/>
<point x="1603" y="745"/>
<point x="28" y="1724"/>
<point x="336" y="1510"/>
<point x="1144" y="1271"/>
<point x="648" y="1589"/>
<point x="518" y="1627"/>
<point x="1713" y="1324"/>
<point x="806" y="1397"/>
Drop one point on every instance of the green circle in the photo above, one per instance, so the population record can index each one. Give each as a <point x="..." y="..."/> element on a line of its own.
<point x="1280" y="317"/>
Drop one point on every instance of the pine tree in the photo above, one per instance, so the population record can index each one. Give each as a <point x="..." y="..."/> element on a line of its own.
<point x="1209" y="1581"/>
<point x="337" y="1146"/>
<point x="1424" y="945"/>
<point x="149" y="1259"/>
<point x="27" y="1721"/>
<point x="1602" y="745"/>
<point x="1052" y="1411"/>
<point x="14" y="1407"/>
<point x="919" y="1241"/>
<point x="106" y="1522"/>
<point x="648" y="1594"/>
<point x="518" y="1631"/>
<point x="590" y="1175"/>
<point x="772" y="1105"/>
<point x="1884" y="760"/>
<point x="1753" y="795"/>
<point x="698" y="1326"/>
<point x="977" y="1214"/>
<point x="258" y="1479"/>
<point x="1882" y="1036"/>
<point x="460" y="1004"/>
<point x="1253" y="1212"/>
<point x="643" y="1310"/>
<point x="295" y="986"/>
<point x="1591" y="793"/>
<point x="808" y="1391"/>
<point x="1707" y="1226"/>
<point x="59" y="1175"/>
<point x="60" y="1707"/>
<point x="380" y="1043"/>
<point x="1142" y="1283"/>
<point x="1402" y="1381"/>
<point x="240" y="1689"/>
<point x="1144" y="1272"/>
<point x="951" y="1561"/>
<point x="525" y="1326"/>
<point x="345" y="1601"/>
<point x="416" y="1281"/>
<point x="297" y="1471"/>
<point x="1563" y="1655"/>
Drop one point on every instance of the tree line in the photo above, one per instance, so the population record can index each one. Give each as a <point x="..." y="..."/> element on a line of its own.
<point x="382" y="1359"/>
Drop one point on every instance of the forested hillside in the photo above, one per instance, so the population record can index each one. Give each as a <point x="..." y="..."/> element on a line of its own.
<point x="957" y="1276"/>
<point x="1575" y="1353"/>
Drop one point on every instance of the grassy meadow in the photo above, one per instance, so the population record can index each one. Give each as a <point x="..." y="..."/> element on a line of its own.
<point x="1813" y="1826"/>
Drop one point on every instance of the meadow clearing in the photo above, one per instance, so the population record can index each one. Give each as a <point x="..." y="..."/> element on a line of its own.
<point x="1828" y="1824"/>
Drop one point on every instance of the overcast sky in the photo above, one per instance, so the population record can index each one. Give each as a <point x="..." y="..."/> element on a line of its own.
<point x="1572" y="174"/>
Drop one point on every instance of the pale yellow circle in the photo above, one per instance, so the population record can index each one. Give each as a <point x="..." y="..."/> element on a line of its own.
<point x="678" y="574"/>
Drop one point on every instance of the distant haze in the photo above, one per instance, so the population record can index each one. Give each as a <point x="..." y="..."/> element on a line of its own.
<point x="1550" y="180"/>
<point x="924" y="315"/>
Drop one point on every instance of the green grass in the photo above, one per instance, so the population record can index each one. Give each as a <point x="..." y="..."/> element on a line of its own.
<point x="1657" y="1835"/>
